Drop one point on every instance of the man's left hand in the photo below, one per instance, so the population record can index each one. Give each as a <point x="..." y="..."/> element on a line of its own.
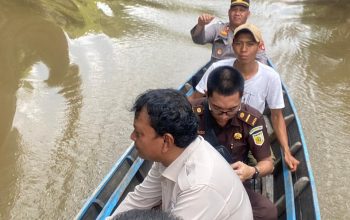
<point x="291" y="162"/>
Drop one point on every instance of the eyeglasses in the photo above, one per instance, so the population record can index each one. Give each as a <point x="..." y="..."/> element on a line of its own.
<point x="231" y="112"/>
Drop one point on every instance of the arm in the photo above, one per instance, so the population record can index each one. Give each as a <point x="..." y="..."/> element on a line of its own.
<point x="279" y="126"/>
<point x="265" y="167"/>
<point x="198" y="32"/>
<point x="257" y="141"/>
<point x="146" y="195"/>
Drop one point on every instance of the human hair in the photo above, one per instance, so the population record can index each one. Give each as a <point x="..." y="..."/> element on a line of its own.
<point x="244" y="31"/>
<point x="169" y="112"/>
<point x="148" y="214"/>
<point x="225" y="80"/>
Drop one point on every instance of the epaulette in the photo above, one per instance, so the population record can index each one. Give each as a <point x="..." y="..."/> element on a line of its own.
<point x="199" y="109"/>
<point x="247" y="117"/>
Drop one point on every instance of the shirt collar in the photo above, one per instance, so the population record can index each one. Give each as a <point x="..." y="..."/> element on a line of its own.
<point x="171" y="172"/>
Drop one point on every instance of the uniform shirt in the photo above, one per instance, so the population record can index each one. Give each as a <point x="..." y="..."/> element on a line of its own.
<point x="221" y="36"/>
<point x="246" y="131"/>
<point x="199" y="184"/>
<point x="264" y="87"/>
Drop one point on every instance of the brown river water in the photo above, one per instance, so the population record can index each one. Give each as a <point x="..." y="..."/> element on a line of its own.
<point x="70" y="69"/>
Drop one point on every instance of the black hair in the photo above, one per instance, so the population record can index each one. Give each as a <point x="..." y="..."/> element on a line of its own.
<point x="225" y="80"/>
<point x="149" y="214"/>
<point x="169" y="112"/>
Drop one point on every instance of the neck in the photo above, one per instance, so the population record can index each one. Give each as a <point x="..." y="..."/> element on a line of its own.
<point x="248" y="70"/>
<point x="171" y="155"/>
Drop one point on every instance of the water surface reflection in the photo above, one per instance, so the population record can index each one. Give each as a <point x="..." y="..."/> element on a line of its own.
<point x="70" y="69"/>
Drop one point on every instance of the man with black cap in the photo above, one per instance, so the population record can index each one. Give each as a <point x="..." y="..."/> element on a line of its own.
<point x="221" y="34"/>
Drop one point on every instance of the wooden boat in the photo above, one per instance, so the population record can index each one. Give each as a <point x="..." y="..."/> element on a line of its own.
<point x="294" y="194"/>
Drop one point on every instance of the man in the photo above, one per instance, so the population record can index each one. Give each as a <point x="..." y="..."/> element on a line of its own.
<point x="225" y="121"/>
<point x="189" y="178"/>
<point x="262" y="83"/>
<point x="220" y="34"/>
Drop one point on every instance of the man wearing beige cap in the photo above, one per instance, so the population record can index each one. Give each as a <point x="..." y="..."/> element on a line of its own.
<point x="220" y="34"/>
<point x="262" y="83"/>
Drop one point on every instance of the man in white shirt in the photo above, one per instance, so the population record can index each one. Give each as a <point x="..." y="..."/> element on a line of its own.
<point x="189" y="178"/>
<point x="262" y="83"/>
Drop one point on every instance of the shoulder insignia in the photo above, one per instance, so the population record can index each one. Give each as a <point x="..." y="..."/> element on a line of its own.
<point x="224" y="31"/>
<point x="247" y="118"/>
<point x="255" y="129"/>
<point x="237" y="136"/>
<point x="198" y="109"/>
<point x="259" y="138"/>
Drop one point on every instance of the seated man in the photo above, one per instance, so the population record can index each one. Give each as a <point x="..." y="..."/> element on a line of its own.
<point x="189" y="178"/>
<point x="220" y="34"/>
<point x="226" y="122"/>
<point x="262" y="83"/>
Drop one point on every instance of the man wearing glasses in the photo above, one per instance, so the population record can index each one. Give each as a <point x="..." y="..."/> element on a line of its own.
<point x="234" y="128"/>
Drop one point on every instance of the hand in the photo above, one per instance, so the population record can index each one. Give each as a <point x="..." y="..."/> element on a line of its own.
<point x="205" y="19"/>
<point x="291" y="162"/>
<point x="243" y="170"/>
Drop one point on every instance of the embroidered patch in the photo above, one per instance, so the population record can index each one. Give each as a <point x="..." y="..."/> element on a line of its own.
<point x="258" y="138"/>
<point x="258" y="128"/>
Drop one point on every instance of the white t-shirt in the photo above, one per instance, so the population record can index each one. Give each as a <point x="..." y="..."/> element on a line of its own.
<point x="265" y="85"/>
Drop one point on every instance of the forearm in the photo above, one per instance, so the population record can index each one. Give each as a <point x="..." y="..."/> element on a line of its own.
<point x="265" y="167"/>
<point x="279" y="127"/>
<point x="197" y="34"/>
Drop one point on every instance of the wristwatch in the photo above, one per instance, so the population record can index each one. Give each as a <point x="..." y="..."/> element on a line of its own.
<point x="256" y="174"/>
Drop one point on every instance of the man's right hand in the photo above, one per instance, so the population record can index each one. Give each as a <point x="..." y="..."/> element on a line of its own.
<point x="205" y="19"/>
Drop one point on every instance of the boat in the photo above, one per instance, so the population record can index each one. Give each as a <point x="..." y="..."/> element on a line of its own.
<point x="294" y="194"/>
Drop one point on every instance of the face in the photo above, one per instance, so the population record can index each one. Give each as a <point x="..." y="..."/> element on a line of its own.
<point x="238" y="15"/>
<point x="223" y="108"/>
<point x="147" y="141"/>
<point x="245" y="47"/>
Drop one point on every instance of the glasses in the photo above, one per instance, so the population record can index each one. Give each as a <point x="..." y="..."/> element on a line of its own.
<point x="231" y="112"/>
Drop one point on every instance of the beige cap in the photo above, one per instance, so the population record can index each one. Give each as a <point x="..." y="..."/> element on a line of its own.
<point x="252" y="29"/>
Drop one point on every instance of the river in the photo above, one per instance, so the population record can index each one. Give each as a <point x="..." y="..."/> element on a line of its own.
<point x="70" y="70"/>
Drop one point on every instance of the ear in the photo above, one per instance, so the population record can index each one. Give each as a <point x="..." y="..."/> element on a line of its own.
<point x="168" y="142"/>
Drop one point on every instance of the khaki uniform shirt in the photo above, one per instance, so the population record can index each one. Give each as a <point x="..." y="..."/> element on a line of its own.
<point x="221" y="36"/>
<point x="199" y="184"/>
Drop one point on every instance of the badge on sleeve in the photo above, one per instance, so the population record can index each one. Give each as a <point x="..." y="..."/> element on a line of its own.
<point x="255" y="129"/>
<point x="259" y="138"/>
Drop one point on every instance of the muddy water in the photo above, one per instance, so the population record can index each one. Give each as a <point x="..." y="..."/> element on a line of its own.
<point x="69" y="71"/>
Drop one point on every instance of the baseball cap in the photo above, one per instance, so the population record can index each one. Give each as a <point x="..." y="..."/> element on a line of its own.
<point x="252" y="29"/>
<point x="244" y="3"/>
